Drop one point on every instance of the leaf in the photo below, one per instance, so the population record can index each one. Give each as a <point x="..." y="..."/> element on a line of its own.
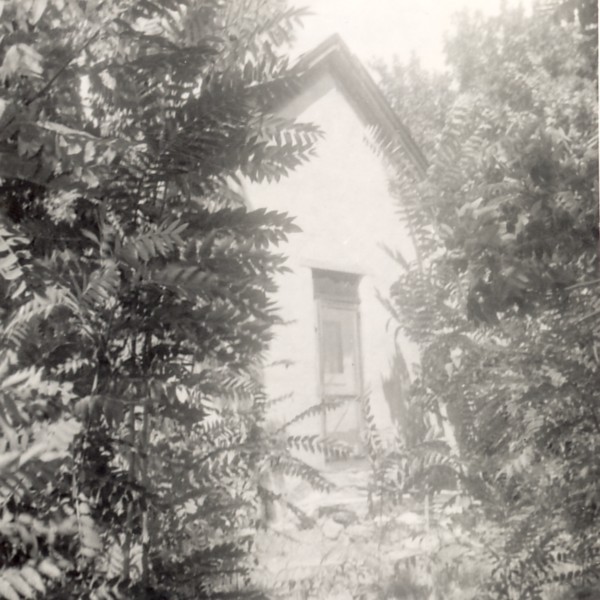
<point x="49" y="569"/>
<point x="40" y="306"/>
<point x="19" y="584"/>
<point x="6" y="591"/>
<point x="102" y="286"/>
<point x="21" y="59"/>
<point x="8" y="459"/>
<point x="68" y="133"/>
<point x="33" y="579"/>
<point x="91" y="543"/>
<point x="10" y="267"/>
<point x="20" y="377"/>
<point x="190" y="279"/>
<point x="37" y="10"/>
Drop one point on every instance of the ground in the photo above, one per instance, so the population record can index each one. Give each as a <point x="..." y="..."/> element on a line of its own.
<point x="409" y="550"/>
<point x="349" y="552"/>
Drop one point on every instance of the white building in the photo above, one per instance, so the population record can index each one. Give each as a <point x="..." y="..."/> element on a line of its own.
<point x="336" y="343"/>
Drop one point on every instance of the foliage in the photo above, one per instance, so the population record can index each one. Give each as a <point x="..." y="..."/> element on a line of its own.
<point x="134" y="290"/>
<point x="421" y="98"/>
<point x="502" y="299"/>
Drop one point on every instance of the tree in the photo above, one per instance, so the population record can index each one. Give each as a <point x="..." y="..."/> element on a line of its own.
<point x="502" y="301"/>
<point x="421" y="98"/>
<point x="134" y="290"/>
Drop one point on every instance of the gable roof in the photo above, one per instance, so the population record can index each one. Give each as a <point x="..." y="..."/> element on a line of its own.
<point x="333" y="55"/>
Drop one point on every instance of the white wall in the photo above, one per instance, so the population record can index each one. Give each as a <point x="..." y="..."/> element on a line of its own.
<point x="341" y="201"/>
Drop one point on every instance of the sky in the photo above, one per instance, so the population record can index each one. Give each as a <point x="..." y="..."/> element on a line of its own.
<point x="384" y="28"/>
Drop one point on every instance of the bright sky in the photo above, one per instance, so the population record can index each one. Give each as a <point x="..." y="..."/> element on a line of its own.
<point x="384" y="28"/>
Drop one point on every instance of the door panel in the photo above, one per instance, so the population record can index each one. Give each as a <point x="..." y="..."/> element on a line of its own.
<point x="339" y="351"/>
<point x="340" y="369"/>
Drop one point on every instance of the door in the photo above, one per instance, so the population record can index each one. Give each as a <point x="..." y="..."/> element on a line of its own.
<point x="340" y="370"/>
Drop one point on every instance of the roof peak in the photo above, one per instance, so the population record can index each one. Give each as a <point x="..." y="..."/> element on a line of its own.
<point x="334" y="54"/>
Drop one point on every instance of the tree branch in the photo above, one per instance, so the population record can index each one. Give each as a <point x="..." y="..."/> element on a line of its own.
<point x="62" y="69"/>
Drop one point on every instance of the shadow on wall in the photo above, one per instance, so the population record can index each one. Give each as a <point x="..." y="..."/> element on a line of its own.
<point x="406" y="416"/>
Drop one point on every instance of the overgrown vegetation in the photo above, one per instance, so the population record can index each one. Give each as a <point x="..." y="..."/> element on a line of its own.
<point x="503" y="299"/>
<point x="134" y="291"/>
<point x="134" y="301"/>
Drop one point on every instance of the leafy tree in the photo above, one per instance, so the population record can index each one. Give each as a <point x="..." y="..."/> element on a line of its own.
<point x="420" y="97"/>
<point x="503" y="298"/>
<point x="134" y="290"/>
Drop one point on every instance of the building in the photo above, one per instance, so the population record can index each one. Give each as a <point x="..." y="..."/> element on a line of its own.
<point x="336" y="344"/>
